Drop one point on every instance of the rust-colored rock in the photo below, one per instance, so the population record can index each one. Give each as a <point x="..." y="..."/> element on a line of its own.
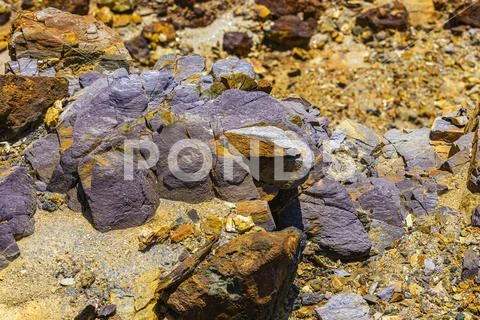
<point x="25" y="100"/>
<point x="237" y="43"/>
<point x="247" y="278"/>
<point x="67" y="40"/>
<point x="259" y="211"/>
<point x="291" y="31"/>
<point x="389" y="16"/>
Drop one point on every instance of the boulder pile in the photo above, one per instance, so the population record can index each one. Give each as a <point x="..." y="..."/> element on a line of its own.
<point x="124" y="142"/>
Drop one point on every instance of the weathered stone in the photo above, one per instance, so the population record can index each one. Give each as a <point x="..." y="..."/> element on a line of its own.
<point x="445" y="130"/>
<point x="344" y="307"/>
<point x="381" y="199"/>
<point x="119" y="6"/>
<point x="365" y="138"/>
<point x="285" y="7"/>
<point x="5" y="12"/>
<point x="80" y="7"/>
<point x="25" y="101"/>
<point x="291" y="31"/>
<point x="476" y="217"/>
<point x="259" y="211"/>
<point x="112" y="199"/>
<point x="247" y="278"/>
<point x="44" y="156"/>
<point x="17" y="207"/>
<point x="414" y="147"/>
<point x="67" y="40"/>
<point x="393" y="15"/>
<point x="237" y="43"/>
<point x="138" y="48"/>
<point x="466" y="14"/>
<point x="159" y="32"/>
<point x="471" y="264"/>
<point x="328" y="216"/>
<point x="230" y="66"/>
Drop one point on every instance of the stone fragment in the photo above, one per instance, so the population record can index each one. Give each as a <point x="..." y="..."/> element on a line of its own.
<point x="237" y="43"/>
<point x="25" y="101"/>
<point x="382" y="200"/>
<point x="291" y="7"/>
<point x="414" y="147"/>
<point x="63" y="39"/>
<point x="159" y="32"/>
<point x="248" y="278"/>
<point x="138" y="48"/>
<point x="44" y="156"/>
<point x="471" y="264"/>
<point x="328" y="216"/>
<point x="445" y="130"/>
<point x="259" y="211"/>
<point x="181" y="233"/>
<point x="230" y="66"/>
<point x="476" y="217"/>
<point x="392" y="15"/>
<point x="118" y="6"/>
<point x="5" y="12"/>
<point x="80" y="7"/>
<point x="344" y="307"/>
<point x="365" y="138"/>
<point x="107" y="311"/>
<point x="17" y="207"/>
<point x="291" y="31"/>
<point x="466" y="14"/>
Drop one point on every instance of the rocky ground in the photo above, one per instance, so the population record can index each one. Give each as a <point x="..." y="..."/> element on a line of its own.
<point x="376" y="103"/>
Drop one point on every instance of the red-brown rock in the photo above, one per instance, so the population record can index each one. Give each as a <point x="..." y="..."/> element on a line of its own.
<point x="247" y="278"/>
<point x="25" y="100"/>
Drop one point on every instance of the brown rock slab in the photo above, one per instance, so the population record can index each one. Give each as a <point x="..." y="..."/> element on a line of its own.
<point x="25" y="101"/>
<point x="247" y="278"/>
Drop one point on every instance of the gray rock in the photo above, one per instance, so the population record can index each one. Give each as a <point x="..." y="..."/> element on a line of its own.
<point x="328" y="216"/>
<point x="230" y="66"/>
<point x="365" y="138"/>
<point x="414" y="147"/>
<point x="309" y="299"/>
<point x="22" y="66"/>
<point x="344" y="307"/>
<point x="476" y="217"/>
<point x="386" y="293"/>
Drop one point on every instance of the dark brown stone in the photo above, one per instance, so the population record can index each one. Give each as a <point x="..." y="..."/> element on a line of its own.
<point x="389" y="16"/>
<point x="291" y="31"/>
<point x="237" y="43"/>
